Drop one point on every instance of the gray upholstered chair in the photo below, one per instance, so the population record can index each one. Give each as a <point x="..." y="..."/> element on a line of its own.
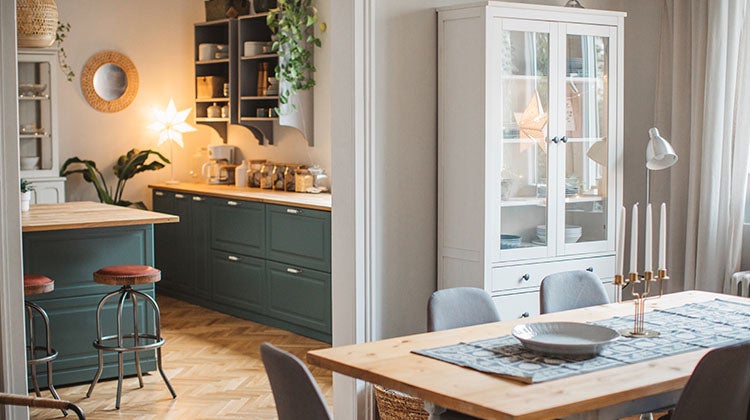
<point x="295" y="392"/>
<point x="719" y="387"/>
<point x="455" y="308"/>
<point x="460" y="307"/>
<point x="571" y="290"/>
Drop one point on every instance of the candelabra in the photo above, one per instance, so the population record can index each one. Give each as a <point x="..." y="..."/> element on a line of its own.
<point x="640" y="288"/>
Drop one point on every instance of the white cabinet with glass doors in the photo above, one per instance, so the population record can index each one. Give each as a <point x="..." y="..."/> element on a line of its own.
<point x="530" y="146"/>
<point x="37" y="116"/>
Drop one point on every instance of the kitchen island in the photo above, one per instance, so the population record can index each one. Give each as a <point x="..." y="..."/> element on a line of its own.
<point x="68" y="242"/>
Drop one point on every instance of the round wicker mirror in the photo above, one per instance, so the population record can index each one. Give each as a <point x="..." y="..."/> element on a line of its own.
<point x="109" y="81"/>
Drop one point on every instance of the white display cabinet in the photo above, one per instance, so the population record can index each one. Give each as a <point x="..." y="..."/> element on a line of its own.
<point x="37" y="116"/>
<point x="530" y="146"/>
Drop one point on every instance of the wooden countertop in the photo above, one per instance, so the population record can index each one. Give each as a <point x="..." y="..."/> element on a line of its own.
<point x="311" y="201"/>
<point x="87" y="214"/>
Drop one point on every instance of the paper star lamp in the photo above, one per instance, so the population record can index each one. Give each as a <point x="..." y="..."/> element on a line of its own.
<point x="171" y="124"/>
<point x="531" y="123"/>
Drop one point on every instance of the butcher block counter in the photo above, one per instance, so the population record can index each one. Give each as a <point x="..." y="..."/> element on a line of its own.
<point x="67" y="242"/>
<point x="304" y="200"/>
<point x="87" y="214"/>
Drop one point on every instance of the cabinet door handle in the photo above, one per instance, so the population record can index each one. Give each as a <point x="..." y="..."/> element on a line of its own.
<point x="179" y="196"/>
<point x="564" y="139"/>
<point x="554" y="140"/>
<point x="159" y="193"/>
<point x="293" y="270"/>
<point x="525" y="315"/>
<point x="197" y="198"/>
<point x="232" y="203"/>
<point x="233" y="258"/>
<point x="526" y="277"/>
<point x="590" y="269"/>
<point x="294" y="211"/>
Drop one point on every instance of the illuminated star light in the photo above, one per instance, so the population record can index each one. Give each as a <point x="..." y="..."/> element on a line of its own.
<point x="171" y="124"/>
<point x="531" y="123"/>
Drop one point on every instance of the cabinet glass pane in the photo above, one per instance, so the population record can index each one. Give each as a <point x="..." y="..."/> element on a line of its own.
<point x="34" y="115"/>
<point x="525" y="61"/>
<point x="586" y="121"/>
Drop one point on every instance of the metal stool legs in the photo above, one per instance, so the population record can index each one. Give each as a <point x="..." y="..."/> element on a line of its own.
<point x="32" y="348"/>
<point x="152" y="341"/>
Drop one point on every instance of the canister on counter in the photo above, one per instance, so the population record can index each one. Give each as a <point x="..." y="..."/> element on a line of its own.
<point x="254" y="173"/>
<point x="278" y="176"/>
<point x="266" y="175"/>
<point x="289" y="180"/>
<point x="303" y="180"/>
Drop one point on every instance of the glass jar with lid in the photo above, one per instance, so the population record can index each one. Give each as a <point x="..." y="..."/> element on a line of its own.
<point x="266" y="175"/>
<point x="278" y="176"/>
<point x="254" y="173"/>
<point x="289" y="181"/>
<point x="303" y="179"/>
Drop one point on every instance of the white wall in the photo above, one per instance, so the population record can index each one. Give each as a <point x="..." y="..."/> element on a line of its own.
<point x="158" y="38"/>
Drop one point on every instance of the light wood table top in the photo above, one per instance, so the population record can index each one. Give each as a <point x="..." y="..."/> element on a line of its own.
<point x="87" y="214"/>
<point x="310" y="201"/>
<point x="390" y="364"/>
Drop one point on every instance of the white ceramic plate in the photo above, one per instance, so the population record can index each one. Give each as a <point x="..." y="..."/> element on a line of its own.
<point x="565" y="338"/>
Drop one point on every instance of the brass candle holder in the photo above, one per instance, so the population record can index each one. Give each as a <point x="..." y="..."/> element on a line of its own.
<point x="640" y="290"/>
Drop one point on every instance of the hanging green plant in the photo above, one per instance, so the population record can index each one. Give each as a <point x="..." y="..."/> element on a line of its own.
<point x="62" y="57"/>
<point x="292" y="24"/>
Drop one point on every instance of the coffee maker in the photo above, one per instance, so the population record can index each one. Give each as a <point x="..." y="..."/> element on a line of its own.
<point x="220" y="168"/>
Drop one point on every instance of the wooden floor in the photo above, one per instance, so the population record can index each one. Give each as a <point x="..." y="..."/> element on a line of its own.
<point x="213" y="362"/>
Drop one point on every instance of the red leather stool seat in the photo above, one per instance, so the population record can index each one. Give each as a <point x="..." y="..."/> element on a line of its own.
<point x="34" y="284"/>
<point x="127" y="275"/>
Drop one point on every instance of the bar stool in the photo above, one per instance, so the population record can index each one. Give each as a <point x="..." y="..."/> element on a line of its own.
<point x="35" y="284"/>
<point x="127" y="276"/>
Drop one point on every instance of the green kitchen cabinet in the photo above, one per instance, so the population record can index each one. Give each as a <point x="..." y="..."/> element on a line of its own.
<point x="239" y="281"/>
<point x="299" y="236"/>
<point x="238" y="227"/>
<point x="70" y="257"/>
<point x="300" y="296"/>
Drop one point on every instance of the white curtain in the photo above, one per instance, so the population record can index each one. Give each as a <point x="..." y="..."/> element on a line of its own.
<point x="703" y="104"/>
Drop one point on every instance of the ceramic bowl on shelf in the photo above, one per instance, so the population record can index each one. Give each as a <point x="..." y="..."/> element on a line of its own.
<point x="30" y="162"/>
<point x="509" y="241"/>
<point x="31" y="89"/>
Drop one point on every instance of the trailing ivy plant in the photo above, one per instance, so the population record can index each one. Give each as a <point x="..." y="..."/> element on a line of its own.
<point x="292" y="22"/>
<point x="127" y="166"/>
<point x="62" y="57"/>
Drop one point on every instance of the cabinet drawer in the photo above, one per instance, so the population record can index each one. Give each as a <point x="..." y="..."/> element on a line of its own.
<point x="300" y="296"/>
<point x="299" y="236"/>
<point x="520" y="305"/>
<point x="238" y="226"/>
<point x="238" y="281"/>
<point x="531" y="275"/>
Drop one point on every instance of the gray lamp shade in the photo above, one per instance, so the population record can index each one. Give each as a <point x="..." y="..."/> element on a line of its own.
<point x="659" y="153"/>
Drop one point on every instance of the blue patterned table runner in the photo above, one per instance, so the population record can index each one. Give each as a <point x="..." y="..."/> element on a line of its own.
<point x="690" y="327"/>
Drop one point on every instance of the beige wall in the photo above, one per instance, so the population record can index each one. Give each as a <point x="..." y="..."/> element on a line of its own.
<point x="158" y="38"/>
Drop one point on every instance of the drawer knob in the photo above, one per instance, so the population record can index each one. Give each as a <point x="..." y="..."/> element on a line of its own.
<point x="197" y="198"/>
<point x="293" y="211"/>
<point x="179" y="196"/>
<point x="564" y="139"/>
<point x="526" y="277"/>
<point x="293" y="270"/>
<point x="525" y="315"/>
<point x="233" y="258"/>
<point x="590" y="269"/>
<point x="232" y="203"/>
<point x="554" y="140"/>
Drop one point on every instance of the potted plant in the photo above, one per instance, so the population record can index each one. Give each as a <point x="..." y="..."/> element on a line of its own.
<point x="26" y="189"/>
<point x="127" y="166"/>
<point x="292" y="23"/>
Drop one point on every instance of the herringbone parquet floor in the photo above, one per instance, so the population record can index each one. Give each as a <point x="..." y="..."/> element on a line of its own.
<point x="213" y="362"/>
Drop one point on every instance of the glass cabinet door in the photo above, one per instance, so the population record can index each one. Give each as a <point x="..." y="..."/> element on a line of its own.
<point x="34" y="116"/>
<point x="586" y="111"/>
<point x="524" y="142"/>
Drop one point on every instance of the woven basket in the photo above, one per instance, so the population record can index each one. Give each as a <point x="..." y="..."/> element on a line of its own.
<point x="37" y="23"/>
<point x="394" y="405"/>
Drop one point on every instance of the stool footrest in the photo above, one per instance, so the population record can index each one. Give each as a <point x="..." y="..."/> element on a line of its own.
<point x="100" y="344"/>
<point x="51" y="355"/>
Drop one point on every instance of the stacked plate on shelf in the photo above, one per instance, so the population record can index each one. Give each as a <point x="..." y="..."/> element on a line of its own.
<point x="509" y="241"/>
<point x="572" y="233"/>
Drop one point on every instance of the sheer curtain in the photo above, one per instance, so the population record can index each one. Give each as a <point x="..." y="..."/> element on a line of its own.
<point x="703" y="103"/>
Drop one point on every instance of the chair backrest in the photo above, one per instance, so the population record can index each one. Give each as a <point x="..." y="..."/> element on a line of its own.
<point x="571" y="290"/>
<point x="460" y="307"/>
<point x="719" y="387"/>
<point x="295" y="392"/>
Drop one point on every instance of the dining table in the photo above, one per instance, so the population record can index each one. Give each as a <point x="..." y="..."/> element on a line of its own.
<point x="626" y="389"/>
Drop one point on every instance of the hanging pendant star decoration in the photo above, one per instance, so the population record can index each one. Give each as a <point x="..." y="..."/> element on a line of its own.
<point x="171" y="124"/>
<point x="532" y="122"/>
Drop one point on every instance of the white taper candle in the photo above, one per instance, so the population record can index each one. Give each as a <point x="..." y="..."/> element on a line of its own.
<point x="647" y="244"/>
<point x="634" y="240"/>
<point x="663" y="237"/>
<point x="620" y="257"/>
